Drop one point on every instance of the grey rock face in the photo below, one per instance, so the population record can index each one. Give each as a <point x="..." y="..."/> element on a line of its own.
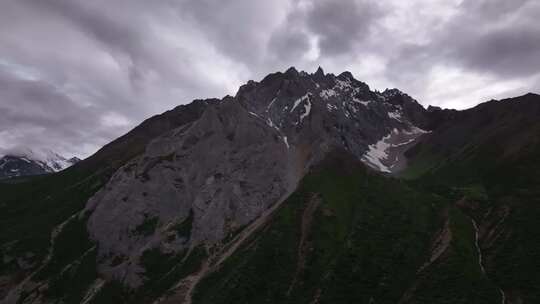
<point x="220" y="172"/>
<point x="314" y="111"/>
<point x="224" y="169"/>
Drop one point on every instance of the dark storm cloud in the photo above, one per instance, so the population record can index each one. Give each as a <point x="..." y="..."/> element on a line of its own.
<point x="340" y="25"/>
<point x="131" y="41"/>
<point x="76" y="74"/>
<point x="486" y="10"/>
<point x="494" y="40"/>
<point x="108" y="58"/>
<point x="120" y="39"/>
<point x="506" y="52"/>
<point x="290" y="40"/>
<point x="500" y="37"/>
<point x="35" y="113"/>
<point x="289" y="45"/>
<point x="240" y="29"/>
<point x="495" y="36"/>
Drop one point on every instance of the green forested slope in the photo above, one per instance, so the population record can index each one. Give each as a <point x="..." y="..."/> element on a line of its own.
<point x="366" y="243"/>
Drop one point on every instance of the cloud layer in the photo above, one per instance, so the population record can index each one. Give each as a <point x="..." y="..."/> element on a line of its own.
<point x="76" y="74"/>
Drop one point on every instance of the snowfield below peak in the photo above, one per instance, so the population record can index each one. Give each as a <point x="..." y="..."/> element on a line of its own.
<point x="307" y="110"/>
<point x="377" y="153"/>
<point x="386" y="155"/>
<point x="300" y="100"/>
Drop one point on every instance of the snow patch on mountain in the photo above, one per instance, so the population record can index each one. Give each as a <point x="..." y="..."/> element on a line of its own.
<point x="300" y="100"/>
<point x="343" y="84"/>
<point x="362" y="102"/>
<point x="254" y="114"/>
<point x="327" y="93"/>
<point x="377" y="153"/>
<point x="395" y="115"/>
<point x="286" y="142"/>
<point x="386" y="154"/>
<point x="273" y="100"/>
<point x="270" y="104"/>
<point x="271" y="124"/>
<point x="307" y="110"/>
<point x="331" y="107"/>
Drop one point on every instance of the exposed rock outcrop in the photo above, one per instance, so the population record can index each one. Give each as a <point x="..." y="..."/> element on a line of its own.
<point x="237" y="160"/>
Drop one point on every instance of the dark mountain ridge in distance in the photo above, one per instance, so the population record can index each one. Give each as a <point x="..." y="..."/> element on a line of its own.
<point x="301" y="188"/>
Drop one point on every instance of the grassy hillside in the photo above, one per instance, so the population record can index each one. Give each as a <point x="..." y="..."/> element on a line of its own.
<point x="366" y="242"/>
<point x="496" y="165"/>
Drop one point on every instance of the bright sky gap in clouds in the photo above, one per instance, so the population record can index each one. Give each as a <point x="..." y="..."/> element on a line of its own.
<point x="76" y="74"/>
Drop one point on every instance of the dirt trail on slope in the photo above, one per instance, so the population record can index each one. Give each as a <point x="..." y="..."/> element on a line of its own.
<point x="303" y="246"/>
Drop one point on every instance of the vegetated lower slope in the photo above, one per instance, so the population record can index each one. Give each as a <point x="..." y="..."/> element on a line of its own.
<point x="463" y="230"/>
<point x="492" y="152"/>
<point x="349" y="235"/>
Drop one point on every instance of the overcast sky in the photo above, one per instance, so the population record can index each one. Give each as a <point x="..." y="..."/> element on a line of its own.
<point x="75" y="74"/>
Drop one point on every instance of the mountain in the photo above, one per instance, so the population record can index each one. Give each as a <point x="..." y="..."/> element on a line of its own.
<point x="28" y="162"/>
<point x="301" y="188"/>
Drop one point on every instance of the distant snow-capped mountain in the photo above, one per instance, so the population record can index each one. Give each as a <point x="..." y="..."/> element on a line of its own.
<point x="25" y="162"/>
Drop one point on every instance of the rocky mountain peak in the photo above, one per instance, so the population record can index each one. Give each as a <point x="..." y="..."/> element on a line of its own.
<point x="431" y="108"/>
<point x="346" y="76"/>
<point x="287" y="99"/>
<point x="292" y="71"/>
<point x="319" y="73"/>
<point x="392" y="92"/>
<point x="243" y="154"/>
<point x="74" y="160"/>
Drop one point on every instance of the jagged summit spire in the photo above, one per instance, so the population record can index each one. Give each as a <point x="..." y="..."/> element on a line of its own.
<point x="291" y="71"/>
<point x="392" y="92"/>
<point x="319" y="72"/>
<point x="346" y="75"/>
